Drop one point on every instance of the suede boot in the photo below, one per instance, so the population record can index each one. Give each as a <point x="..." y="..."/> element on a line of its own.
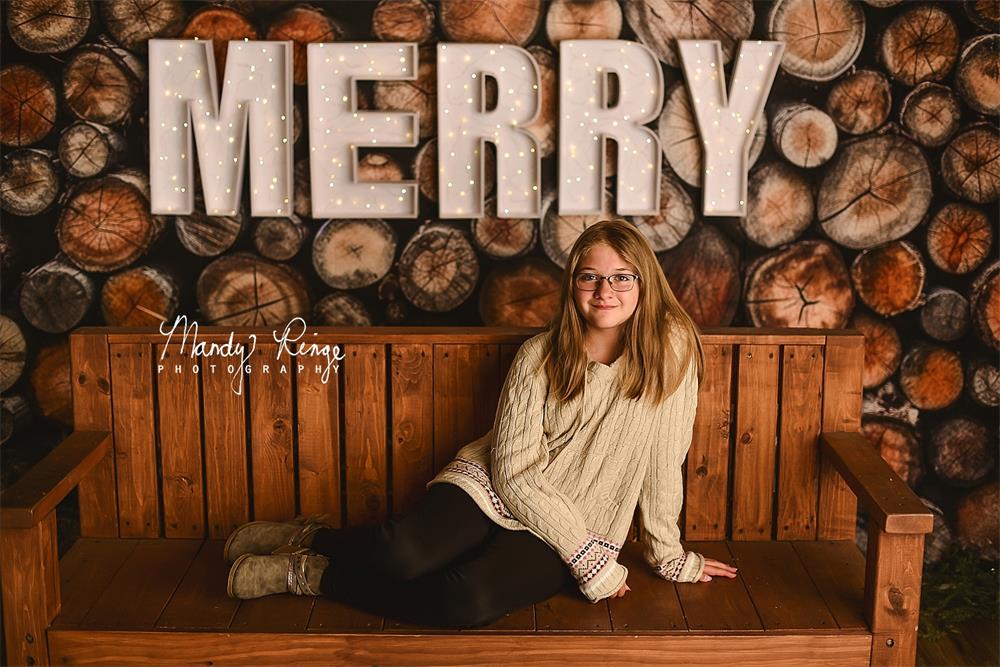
<point x="268" y="537"/>
<point x="253" y="576"/>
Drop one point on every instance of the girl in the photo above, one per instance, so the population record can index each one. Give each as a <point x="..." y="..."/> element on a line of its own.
<point x="594" y="418"/>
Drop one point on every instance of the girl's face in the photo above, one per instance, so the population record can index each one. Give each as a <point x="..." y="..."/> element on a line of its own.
<point x="605" y="307"/>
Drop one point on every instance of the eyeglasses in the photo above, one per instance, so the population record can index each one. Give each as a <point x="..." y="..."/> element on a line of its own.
<point x="620" y="282"/>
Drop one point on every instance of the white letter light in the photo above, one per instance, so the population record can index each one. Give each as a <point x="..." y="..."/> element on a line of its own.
<point x="183" y="93"/>
<point x="585" y="121"/>
<point x="464" y="127"/>
<point x="337" y="129"/>
<point x="726" y="125"/>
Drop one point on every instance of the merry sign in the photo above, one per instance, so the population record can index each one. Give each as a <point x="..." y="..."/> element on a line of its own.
<point x="187" y="113"/>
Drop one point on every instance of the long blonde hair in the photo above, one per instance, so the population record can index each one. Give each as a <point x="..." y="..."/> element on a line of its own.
<point x="653" y="366"/>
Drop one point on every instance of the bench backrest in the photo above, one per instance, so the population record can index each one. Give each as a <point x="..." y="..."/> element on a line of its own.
<point x="193" y="458"/>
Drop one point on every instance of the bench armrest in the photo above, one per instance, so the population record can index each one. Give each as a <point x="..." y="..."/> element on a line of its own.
<point x="41" y="488"/>
<point x="893" y="506"/>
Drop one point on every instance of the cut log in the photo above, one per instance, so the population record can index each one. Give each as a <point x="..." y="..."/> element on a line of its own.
<point x="931" y="376"/>
<point x="889" y="278"/>
<point x="244" y="290"/>
<point x="898" y="445"/>
<point x="50" y="383"/>
<point x="491" y="21"/>
<point x="889" y="400"/>
<point x="348" y="254"/>
<point x="821" y="39"/>
<point x="704" y="274"/>
<point x="959" y="238"/>
<point x="134" y="23"/>
<point x="379" y="167"/>
<point x="860" y="102"/>
<point x="219" y="24"/>
<point x="11" y="252"/>
<point x="15" y="417"/>
<point x="543" y="129"/>
<point x="780" y="205"/>
<point x="970" y="164"/>
<point x="659" y="23"/>
<point x="977" y="78"/>
<point x="280" y="239"/>
<point x="570" y="19"/>
<point x="143" y="296"/>
<point x="804" y="284"/>
<point x="13" y="352"/>
<point x="876" y="190"/>
<point x="984" y="13"/>
<point x="102" y="82"/>
<point x="208" y="235"/>
<point x="47" y="26"/>
<point x="27" y="105"/>
<point x="425" y="168"/>
<point x="883" y="349"/>
<point x="88" y="149"/>
<point x="30" y="181"/>
<point x="503" y="238"/>
<point x="417" y="96"/>
<point x="681" y="142"/>
<point x="930" y="114"/>
<point x="106" y="225"/>
<point x="985" y="302"/>
<point x="403" y="21"/>
<point x="921" y="44"/>
<point x="676" y="217"/>
<point x="982" y="381"/>
<point x="560" y="232"/>
<point x="520" y="294"/>
<point x="438" y="268"/>
<point x="961" y="451"/>
<point x="55" y="296"/>
<point x="976" y="519"/>
<point x="397" y="308"/>
<point x="342" y="309"/>
<point x="303" y="198"/>
<point x="304" y="25"/>
<point x="945" y="314"/>
<point x="803" y="134"/>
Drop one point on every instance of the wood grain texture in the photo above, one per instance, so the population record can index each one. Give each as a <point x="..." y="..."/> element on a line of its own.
<point x="271" y="435"/>
<point x="91" y="383"/>
<point x="227" y="494"/>
<point x="365" y="445"/>
<point x="754" y="442"/>
<point x="135" y="439"/>
<point x="413" y="400"/>
<point x="798" y="451"/>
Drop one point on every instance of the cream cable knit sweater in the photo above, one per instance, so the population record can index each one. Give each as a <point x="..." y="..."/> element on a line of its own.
<point x="573" y="473"/>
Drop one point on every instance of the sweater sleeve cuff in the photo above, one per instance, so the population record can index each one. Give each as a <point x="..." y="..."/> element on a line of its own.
<point x="688" y="567"/>
<point x="606" y="583"/>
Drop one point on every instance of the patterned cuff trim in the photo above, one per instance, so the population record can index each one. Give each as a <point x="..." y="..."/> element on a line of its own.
<point x="685" y="568"/>
<point x="592" y="557"/>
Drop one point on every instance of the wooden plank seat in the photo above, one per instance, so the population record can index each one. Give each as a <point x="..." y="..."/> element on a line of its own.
<point x="168" y="463"/>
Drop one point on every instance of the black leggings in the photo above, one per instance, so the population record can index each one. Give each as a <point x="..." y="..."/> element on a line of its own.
<point x="441" y="563"/>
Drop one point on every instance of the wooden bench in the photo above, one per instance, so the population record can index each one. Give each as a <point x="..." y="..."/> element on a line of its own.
<point x="167" y="464"/>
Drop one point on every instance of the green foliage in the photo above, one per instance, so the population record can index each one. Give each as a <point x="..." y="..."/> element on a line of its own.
<point x="959" y="587"/>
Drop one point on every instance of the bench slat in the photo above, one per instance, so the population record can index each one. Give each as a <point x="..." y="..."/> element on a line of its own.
<point x="722" y="604"/>
<point x="707" y="467"/>
<point x="136" y="595"/>
<point x="135" y="440"/>
<point x="412" y="423"/>
<point x="838" y="507"/>
<point x="365" y="437"/>
<point x="179" y="401"/>
<point x="226" y="487"/>
<point x="798" y="458"/>
<point x="838" y="570"/>
<point x="200" y="600"/>
<point x="273" y="613"/>
<point x="271" y="435"/>
<point x="85" y="572"/>
<point x="466" y="392"/>
<point x="317" y="412"/>
<point x="90" y="379"/>
<point x="651" y="604"/>
<point x="329" y="615"/>
<point x="782" y="592"/>
<point x="754" y="443"/>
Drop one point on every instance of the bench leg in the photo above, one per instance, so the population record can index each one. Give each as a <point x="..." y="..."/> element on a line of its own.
<point x="31" y="597"/>
<point x="894" y="571"/>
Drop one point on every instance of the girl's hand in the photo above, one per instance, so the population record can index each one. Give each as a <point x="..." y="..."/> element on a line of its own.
<point x="717" y="568"/>
<point x="621" y="591"/>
